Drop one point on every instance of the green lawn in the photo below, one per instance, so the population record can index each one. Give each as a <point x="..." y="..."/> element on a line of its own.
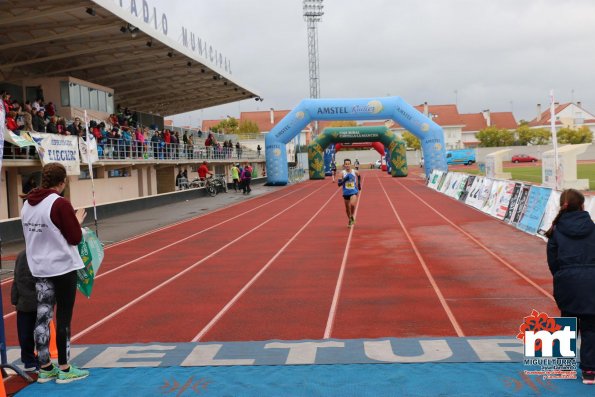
<point x="532" y="173"/>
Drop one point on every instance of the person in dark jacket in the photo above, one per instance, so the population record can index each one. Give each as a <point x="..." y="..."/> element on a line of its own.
<point x="571" y="259"/>
<point x="23" y="296"/>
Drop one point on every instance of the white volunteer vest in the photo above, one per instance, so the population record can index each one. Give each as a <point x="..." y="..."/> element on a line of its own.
<point x="48" y="252"/>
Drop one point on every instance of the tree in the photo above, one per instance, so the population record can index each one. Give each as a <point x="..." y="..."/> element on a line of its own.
<point x="532" y="136"/>
<point x="227" y="126"/>
<point x="248" y="127"/>
<point x="494" y="136"/>
<point x="411" y="140"/>
<point x="572" y="136"/>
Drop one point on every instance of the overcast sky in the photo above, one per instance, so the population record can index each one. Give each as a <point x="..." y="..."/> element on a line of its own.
<point x="500" y="55"/>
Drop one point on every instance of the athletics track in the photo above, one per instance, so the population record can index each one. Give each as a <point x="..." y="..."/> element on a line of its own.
<point x="277" y="297"/>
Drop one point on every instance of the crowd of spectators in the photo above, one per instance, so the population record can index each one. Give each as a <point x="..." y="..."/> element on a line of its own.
<point x="118" y="137"/>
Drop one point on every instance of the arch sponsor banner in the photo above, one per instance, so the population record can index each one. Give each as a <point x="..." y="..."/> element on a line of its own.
<point x="63" y="149"/>
<point x="534" y="209"/>
<point x="551" y="210"/>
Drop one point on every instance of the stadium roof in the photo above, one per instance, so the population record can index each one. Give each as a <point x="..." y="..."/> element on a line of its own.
<point x="107" y="43"/>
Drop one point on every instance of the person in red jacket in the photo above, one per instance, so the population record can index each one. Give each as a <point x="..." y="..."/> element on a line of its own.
<point x="52" y="232"/>
<point x="203" y="171"/>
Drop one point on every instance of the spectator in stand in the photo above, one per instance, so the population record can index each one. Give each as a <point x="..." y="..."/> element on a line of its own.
<point x="36" y="105"/>
<point x="175" y="140"/>
<point x="27" y="122"/>
<point x="167" y="140"/>
<point x="238" y="149"/>
<point x="155" y="144"/>
<point x="11" y="122"/>
<point x="38" y="121"/>
<point x="113" y="119"/>
<point x="140" y="142"/>
<point x="75" y="128"/>
<point x="28" y="108"/>
<point x="52" y="127"/>
<point x="199" y="133"/>
<point x="258" y="149"/>
<point x="203" y="171"/>
<point x="61" y="126"/>
<point x="6" y="102"/>
<point x="190" y="147"/>
<point x="208" y="143"/>
<point x="50" y="110"/>
<point x="126" y="141"/>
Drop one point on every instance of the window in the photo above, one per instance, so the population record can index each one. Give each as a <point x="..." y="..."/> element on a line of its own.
<point x="119" y="172"/>
<point x="93" y="97"/>
<point x="64" y="94"/>
<point x="110" y="103"/>
<point x="85" y="173"/>
<point x="102" y="101"/>
<point x="75" y="95"/>
<point x="84" y="97"/>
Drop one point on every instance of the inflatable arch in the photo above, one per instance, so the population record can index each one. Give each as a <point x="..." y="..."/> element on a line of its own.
<point x="329" y="153"/>
<point x="429" y="133"/>
<point x="396" y="148"/>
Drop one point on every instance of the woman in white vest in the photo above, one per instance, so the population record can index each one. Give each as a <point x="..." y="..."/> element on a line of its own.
<point x="52" y="232"/>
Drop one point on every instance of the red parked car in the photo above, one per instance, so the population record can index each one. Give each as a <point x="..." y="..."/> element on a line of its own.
<point x="523" y="158"/>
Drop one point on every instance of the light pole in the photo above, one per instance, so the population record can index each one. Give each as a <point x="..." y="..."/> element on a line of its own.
<point x="312" y="15"/>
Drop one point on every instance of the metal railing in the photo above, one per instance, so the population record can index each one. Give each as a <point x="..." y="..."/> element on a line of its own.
<point x="122" y="149"/>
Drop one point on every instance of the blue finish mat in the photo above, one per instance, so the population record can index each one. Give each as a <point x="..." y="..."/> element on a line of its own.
<point x="428" y="379"/>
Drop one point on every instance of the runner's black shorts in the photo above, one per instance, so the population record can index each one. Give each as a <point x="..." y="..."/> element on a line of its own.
<point x="348" y="196"/>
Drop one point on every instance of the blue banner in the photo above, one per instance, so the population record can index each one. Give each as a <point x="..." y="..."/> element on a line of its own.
<point x="534" y="209"/>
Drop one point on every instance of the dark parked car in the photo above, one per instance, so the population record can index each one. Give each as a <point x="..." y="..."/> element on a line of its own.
<point x="523" y="158"/>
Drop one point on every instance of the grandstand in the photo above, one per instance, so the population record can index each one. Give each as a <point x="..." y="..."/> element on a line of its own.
<point x="122" y="67"/>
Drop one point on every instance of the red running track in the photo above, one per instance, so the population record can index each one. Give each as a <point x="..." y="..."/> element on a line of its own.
<point x="285" y="266"/>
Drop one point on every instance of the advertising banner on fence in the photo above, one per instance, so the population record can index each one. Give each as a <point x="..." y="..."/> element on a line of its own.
<point x="514" y="202"/>
<point x="549" y="176"/>
<point x="435" y="178"/>
<point x="534" y="209"/>
<point x="492" y="203"/>
<point x="467" y="188"/>
<point x="522" y="202"/>
<point x="461" y="187"/>
<point x="551" y="210"/>
<point x="88" y="150"/>
<point x="473" y="195"/>
<point x="504" y="200"/>
<point x="444" y="182"/>
<point x="22" y="140"/>
<point x="63" y="149"/>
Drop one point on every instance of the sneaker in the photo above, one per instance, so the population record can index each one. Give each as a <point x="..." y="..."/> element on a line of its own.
<point x="73" y="374"/>
<point x="350" y="223"/>
<point x="589" y="377"/>
<point x="352" y="220"/>
<point x="48" y="375"/>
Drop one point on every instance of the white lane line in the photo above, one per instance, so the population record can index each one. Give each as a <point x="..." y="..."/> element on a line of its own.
<point x="188" y="269"/>
<point x="330" y="322"/>
<point x="423" y="264"/>
<point x="485" y="248"/>
<point x="8" y="315"/>
<point x="229" y="304"/>
<point x="152" y="231"/>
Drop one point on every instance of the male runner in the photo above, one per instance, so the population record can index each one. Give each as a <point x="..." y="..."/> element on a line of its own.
<point x="333" y="170"/>
<point x="350" y="189"/>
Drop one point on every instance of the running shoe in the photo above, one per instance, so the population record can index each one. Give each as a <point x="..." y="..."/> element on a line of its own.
<point x="589" y="377"/>
<point x="48" y="375"/>
<point x="73" y="374"/>
<point x="353" y="220"/>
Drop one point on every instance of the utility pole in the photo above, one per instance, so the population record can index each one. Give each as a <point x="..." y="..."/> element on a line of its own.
<point x="313" y="14"/>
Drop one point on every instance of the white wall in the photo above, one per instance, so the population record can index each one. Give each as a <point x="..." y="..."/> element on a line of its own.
<point x="106" y="190"/>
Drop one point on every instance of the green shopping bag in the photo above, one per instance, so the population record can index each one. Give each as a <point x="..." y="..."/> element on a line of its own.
<point x="91" y="252"/>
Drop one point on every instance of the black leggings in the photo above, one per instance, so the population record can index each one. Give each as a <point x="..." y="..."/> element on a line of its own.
<point x="59" y="291"/>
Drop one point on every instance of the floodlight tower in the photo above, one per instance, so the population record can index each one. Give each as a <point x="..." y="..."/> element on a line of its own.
<point x="313" y="14"/>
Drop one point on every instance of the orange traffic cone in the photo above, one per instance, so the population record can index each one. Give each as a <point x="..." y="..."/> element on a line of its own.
<point x="53" y="345"/>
